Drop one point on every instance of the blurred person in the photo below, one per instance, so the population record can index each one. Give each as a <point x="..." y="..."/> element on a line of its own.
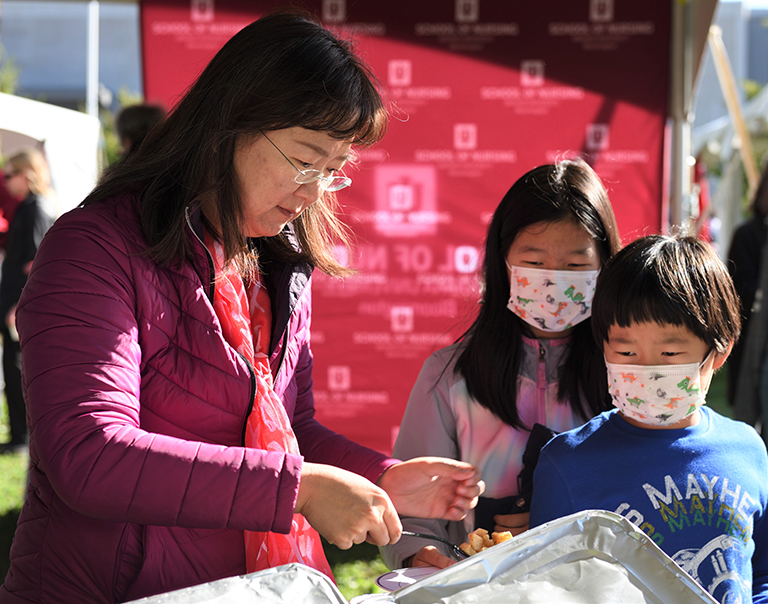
<point x="744" y="265"/>
<point x="27" y="177"/>
<point x="134" y="122"/>
<point x="165" y="335"/>
<point x="8" y="205"/>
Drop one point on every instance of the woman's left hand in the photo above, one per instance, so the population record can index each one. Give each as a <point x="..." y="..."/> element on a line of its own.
<point x="432" y="487"/>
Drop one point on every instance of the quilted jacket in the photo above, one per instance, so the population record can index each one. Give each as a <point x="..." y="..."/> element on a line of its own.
<point x="139" y="483"/>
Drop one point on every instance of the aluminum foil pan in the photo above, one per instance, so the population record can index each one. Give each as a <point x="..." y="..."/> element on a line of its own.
<point x="287" y="584"/>
<point x="590" y="557"/>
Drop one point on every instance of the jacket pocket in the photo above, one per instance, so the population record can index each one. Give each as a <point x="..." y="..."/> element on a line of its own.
<point x="130" y="559"/>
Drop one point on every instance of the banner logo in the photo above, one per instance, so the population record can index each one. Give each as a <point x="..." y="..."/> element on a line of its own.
<point x="399" y="72"/>
<point x="334" y="11"/>
<point x="598" y="137"/>
<point x="401" y="198"/>
<point x="467" y="11"/>
<point x="201" y="11"/>
<point x="466" y="259"/>
<point x="600" y="11"/>
<point x="401" y="319"/>
<point x="406" y="201"/>
<point x="465" y="136"/>
<point x="339" y="377"/>
<point x="532" y="73"/>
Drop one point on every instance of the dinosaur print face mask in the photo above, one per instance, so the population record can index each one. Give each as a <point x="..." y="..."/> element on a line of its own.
<point x="552" y="301"/>
<point x="656" y="395"/>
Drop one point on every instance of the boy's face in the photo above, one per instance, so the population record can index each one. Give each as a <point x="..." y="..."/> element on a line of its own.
<point x="658" y="344"/>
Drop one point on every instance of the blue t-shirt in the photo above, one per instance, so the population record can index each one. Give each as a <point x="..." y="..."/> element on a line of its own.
<point x="700" y="493"/>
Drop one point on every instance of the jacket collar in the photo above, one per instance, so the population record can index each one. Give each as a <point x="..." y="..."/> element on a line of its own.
<point x="285" y="281"/>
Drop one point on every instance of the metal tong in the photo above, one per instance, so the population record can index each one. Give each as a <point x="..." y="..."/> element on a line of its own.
<point x="457" y="552"/>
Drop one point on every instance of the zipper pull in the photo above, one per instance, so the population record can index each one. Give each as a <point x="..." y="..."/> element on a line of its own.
<point x="542" y="352"/>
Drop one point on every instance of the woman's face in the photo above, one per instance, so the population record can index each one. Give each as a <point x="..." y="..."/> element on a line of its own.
<point x="271" y="197"/>
<point x="563" y="246"/>
<point x="16" y="182"/>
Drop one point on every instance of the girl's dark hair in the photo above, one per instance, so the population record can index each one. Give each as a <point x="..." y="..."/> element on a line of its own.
<point x="491" y="355"/>
<point x="282" y="71"/>
<point x="671" y="280"/>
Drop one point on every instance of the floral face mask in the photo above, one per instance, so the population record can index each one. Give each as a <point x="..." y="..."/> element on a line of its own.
<point x="656" y="395"/>
<point x="551" y="301"/>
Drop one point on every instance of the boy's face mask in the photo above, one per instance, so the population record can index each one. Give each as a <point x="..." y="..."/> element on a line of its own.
<point x="551" y="301"/>
<point x="656" y="395"/>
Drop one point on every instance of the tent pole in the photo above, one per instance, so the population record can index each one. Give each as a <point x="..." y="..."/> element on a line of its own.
<point x="731" y="95"/>
<point x="681" y="93"/>
<point x="92" y="82"/>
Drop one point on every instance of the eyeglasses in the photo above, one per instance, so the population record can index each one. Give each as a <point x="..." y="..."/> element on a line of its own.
<point x="305" y="177"/>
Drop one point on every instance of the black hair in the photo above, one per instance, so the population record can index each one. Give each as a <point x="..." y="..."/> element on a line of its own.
<point x="670" y="280"/>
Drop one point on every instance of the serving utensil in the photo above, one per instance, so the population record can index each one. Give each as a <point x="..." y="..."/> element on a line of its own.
<point x="458" y="553"/>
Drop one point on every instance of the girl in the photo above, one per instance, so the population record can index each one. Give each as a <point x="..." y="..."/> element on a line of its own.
<point x="528" y="357"/>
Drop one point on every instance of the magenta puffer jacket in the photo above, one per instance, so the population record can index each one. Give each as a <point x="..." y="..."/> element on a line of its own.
<point x="139" y="483"/>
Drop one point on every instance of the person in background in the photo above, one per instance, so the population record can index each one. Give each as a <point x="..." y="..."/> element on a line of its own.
<point x="8" y="205"/>
<point x="744" y="265"/>
<point x="667" y="315"/>
<point x="165" y="337"/>
<point x="528" y="365"/>
<point x="28" y="178"/>
<point x="134" y="122"/>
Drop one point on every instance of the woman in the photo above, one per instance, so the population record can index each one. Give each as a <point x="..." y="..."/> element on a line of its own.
<point x="26" y="178"/>
<point x="166" y="325"/>
<point x="528" y="358"/>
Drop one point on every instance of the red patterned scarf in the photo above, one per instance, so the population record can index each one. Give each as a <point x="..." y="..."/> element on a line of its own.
<point x="246" y="319"/>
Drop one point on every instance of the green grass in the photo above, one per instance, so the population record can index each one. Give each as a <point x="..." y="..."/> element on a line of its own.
<point x="355" y="569"/>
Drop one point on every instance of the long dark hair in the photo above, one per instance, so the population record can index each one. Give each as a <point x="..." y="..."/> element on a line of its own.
<point x="283" y="70"/>
<point x="490" y="357"/>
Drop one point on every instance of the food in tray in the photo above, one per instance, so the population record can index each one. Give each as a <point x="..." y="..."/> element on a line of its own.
<point x="480" y="540"/>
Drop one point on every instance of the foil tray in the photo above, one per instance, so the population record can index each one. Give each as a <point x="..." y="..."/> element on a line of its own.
<point x="593" y="556"/>
<point x="288" y="584"/>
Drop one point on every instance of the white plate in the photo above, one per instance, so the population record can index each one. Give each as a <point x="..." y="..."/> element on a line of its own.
<point x="404" y="576"/>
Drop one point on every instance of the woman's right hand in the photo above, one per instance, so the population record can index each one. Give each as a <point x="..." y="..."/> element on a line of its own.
<point x="346" y="508"/>
<point x="430" y="556"/>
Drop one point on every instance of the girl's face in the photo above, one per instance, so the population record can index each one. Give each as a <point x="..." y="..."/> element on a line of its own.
<point x="271" y="198"/>
<point x="562" y="246"/>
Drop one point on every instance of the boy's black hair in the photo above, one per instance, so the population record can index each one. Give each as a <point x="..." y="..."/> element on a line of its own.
<point x="671" y="280"/>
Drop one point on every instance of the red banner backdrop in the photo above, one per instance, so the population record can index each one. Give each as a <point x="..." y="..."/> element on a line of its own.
<point x="481" y="91"/>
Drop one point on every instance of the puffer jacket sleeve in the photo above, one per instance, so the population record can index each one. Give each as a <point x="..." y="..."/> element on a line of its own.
<point x="318" y="444"/>
<point x="82" y="374"/>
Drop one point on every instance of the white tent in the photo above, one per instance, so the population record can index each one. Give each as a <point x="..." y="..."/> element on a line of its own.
<point x="69" y="140"/>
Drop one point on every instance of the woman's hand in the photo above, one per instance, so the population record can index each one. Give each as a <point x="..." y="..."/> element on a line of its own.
<point x="514" y="523"/>
<point x="346" y="508"/>
<point x="432" y="487"/>
<point x="430" y="556"/>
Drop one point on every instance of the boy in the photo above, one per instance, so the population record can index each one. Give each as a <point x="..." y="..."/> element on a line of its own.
<point x="667" y="315"/>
